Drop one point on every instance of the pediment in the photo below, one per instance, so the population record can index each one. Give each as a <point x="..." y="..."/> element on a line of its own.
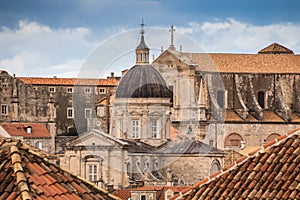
<point x="95" y="138"/>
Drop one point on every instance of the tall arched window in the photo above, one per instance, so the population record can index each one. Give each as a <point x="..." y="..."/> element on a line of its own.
<point x="221" y="98"/>
<point x="233" y="141"/>
<point x="215" y="166"/>
<point x="261" y="99"/>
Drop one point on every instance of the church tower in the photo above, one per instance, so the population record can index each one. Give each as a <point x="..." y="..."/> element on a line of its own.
<point x="142" y="50"/>
<point x="142" y="101"/>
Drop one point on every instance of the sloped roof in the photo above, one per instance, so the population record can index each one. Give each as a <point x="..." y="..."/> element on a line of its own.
<point x="270" y="172"/>
<point x="275" y="49"/>
<point x="19" y="130"/>
<point x="123" y="194"/>
<point x="188" y="146"/>
<point x="246" y="63"/>
<point x="68" y="81"/>
<point x="26" y="175"/>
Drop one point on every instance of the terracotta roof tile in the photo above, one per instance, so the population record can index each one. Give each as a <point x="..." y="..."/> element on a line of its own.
<point x="25" y="174"/>
<point x="271" y="172"/>
<point x="68" y="81"/>
<point x="19" y="129"/>
<point x="245" y="63"/>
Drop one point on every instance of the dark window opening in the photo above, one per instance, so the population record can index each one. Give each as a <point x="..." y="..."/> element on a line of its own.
<point x="261" y="99"/>
<point x="220" y="98"/>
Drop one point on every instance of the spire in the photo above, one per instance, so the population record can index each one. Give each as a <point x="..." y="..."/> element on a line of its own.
<point x="172" y="30"/>
<point x="142" y="50"/>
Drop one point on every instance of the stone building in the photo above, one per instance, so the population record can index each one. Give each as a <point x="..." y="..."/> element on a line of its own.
<point x="140" y="147"/>
<point x="34" y="134"/>
<point x="233" y="101"/>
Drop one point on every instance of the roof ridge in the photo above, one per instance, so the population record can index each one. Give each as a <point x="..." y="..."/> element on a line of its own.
<point x="240" y="161"/>
<point x="21" y="179"/>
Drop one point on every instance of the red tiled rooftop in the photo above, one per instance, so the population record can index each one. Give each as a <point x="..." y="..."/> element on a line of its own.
<point x="25" y="174"/>
<point x="269" y="172"/>
<point x="68" y="81"/>
<point x="246" y="63"/>
<point x="19" y="129"/>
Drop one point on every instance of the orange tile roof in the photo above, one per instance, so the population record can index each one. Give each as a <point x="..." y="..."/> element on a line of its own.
<point x="68" y="81"/>
<point x="246" y="63"/>
<point x="25" y="174"/>
<point x="123" y="194"/>
<point x="19" y="129"/>
<point x="270" y="116"/>
<point x="270" y="172"/>
<point x="276" y="49"/>
<point x="232" y="116"/>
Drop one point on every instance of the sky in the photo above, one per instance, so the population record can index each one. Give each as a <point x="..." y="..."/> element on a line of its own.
<point x="45" y="38"/>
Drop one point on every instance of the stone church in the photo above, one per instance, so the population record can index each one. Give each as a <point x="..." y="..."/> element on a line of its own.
<point x="142" y="147"/>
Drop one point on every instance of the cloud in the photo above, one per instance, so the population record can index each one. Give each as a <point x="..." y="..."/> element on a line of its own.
<point x="32" y="49"/>
<point x="231" y="35"/>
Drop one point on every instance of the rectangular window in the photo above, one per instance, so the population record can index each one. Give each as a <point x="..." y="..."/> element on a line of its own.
<point x="143" y="197"/>
<point x="4" y="109"/>
<point x="154" y="128"/>
<point x="69" y="90"/>
<point x="87" y="90"/>
<point x="135" y="129"/>
<point x="102" y="91"/>
<point x="211" y="142"/>
<point x="39" y="145"/>
<point x="87" y="112"/>
<point x="51" y="89"/>
<point x="92" y="173"/>
<point x="70" y="113"/>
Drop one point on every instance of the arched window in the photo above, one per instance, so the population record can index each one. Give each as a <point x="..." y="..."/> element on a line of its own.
<point x="272" y="137"/>
<point x="233" y="141"/>
<point x="261" y="99"/>
<point x="221" y="98"/>
<point x="215" y="166"/>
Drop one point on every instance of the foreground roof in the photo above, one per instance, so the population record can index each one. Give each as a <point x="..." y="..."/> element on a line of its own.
<point x="26" y="175"/>
<point x="19" y="130"/>
<point x="68" y="81"/>
<point x="270" y="172"/>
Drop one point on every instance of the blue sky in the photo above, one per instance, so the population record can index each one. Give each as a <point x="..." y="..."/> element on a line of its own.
<point x="54" y="37"/>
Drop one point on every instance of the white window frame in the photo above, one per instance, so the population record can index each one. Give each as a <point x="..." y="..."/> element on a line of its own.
<point x="154" y="128"/>
<point x="39" y="144"/>
<point x="70" y="109"/>
<point x="4" y="109"/>
<point x="51" y="89"/>
<point x="85" y="112"/>
<point x="92" y="172"/>
<point x="135" y="128"/>
<point x="102" y="92"/>
<point x="87" y="90"/>
<point x="71" y="90"/>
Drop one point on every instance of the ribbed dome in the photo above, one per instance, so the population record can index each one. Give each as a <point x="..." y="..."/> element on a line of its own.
<point x="142" y="81"/>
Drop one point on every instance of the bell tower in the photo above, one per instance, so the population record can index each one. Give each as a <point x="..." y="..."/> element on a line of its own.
<point x="142" y="50"/>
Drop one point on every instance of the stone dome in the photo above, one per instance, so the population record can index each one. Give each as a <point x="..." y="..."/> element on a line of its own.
<point x="142" y="81"/>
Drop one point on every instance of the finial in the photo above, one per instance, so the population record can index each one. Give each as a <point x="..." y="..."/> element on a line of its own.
<point x="142" y="27"/>
<point x="161" y="49"/>
<point x="172" y="30"/>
